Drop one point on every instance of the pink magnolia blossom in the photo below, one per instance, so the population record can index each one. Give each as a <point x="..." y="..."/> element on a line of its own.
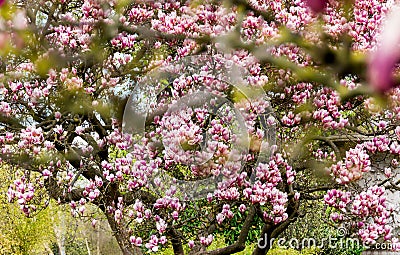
<point x="137" y="241"/>
<point x="206" y="241"/>
<point x="191" y="244"/>
<point x="152" y="245"/>
<point x="94" y="222"/>
<point x="382" y="60"/>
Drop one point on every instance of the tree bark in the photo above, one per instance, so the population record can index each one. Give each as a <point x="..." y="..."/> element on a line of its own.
<point x="176" y="242"/>
<point x="271" y="231"/>
<point x="98" y="242"/>
<point x="239" y="245"/>
<point x="264" y="243"/>
<point x="122" y="237"/>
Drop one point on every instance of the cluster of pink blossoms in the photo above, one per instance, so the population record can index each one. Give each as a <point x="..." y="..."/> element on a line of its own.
<point x="179" y="131"/>
<point x="141" y="214"/>
<point x="339" y="200"/>
<point x="373" y="204"/>
<point x="91" y="190"/>
<point x="366" y="206"/>
<point x="327" y="102"/>
<point x="120" y="140"/>
<point x="31" y="137"/>
<point x="394" y="102"/>
<point x="206" y="241"/>
<point x="92" y="9"/>
<point x="22" y="191"/>
<point x="154" y="242"/>
<point x="226" y="213"/>
<point x="356" y="163"/>
<point x="368" y="17"/>
<point x="5" y="109"/>
<point x="378" y="144"/>
<point x="265" y="192"/>
<point x="176" y="136"/>
<point x="231" y="193"/>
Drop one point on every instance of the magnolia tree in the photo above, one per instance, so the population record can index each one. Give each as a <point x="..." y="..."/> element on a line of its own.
<point x="181" y="120"/>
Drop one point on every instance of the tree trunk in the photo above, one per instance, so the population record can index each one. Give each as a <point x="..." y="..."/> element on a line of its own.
<point x="271" y="231"/>
<point x="122" y="237"/>
<point x="176" y="242"/>
<point x="98" y="242"/>
<point x="264" y="242"/>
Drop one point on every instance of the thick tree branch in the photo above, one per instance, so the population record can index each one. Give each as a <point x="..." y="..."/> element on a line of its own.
<point x="240" y="244"/>
<point x="176" y="241"/>
<point x="271" y="231"/>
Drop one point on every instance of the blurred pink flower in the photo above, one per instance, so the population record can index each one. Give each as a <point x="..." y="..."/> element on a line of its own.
<point x="2" y="2"/>
<point x="316" y="6"/>
<point x="383" y="60"/>
<point x="4" y="38"/>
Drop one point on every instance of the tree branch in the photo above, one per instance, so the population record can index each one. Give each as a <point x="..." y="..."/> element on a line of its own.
<point x="239" y="245"/>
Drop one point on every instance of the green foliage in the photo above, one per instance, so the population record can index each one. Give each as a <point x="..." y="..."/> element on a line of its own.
<point x="315" y="224"/>
<point x="115" y="153"/>
<point x="231" y="231"/>
<point x="219" y="243"/>
<point x="21" y="235"/>
<point x="343" y="249"/>
<point x="311" y="251"/>
<point x="75" y="248"/>
<point x="281" y="251"/>
<point x="305" y="251"/>
<point x="44" y="231"/>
